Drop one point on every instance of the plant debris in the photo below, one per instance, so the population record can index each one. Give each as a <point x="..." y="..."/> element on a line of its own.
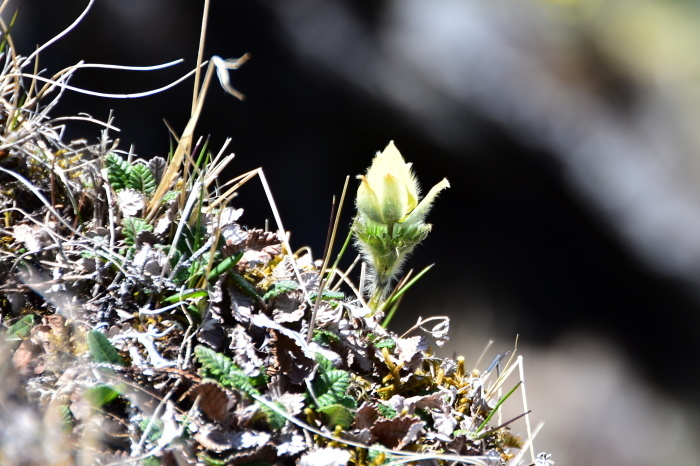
<point x="145" y="323"/>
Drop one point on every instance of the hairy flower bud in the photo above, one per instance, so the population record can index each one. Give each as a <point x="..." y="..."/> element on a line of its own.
<point x="390" y="218"/>
<point x="389" y="192"/>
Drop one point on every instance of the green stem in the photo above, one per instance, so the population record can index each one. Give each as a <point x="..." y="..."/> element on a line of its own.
<point x="495" y="408"/>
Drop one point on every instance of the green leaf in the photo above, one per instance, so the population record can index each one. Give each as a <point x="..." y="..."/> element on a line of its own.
<point x="209" y="461"/>
<point x="324" y="363"/>
<point x="156" y="431"/>
<point x="386" y="411"/>
<point x="117" y="171"/>
<point x="186" y="294"/>
<point x="6" y="34"/>
<point x="274" y="420"/>
<point x="101" y="350"/>
<point x="325" y="338"/>
<point x="214" y="364"/>
<point x="330" y="387"/>
<point x="338" y="415"/>
<point x="281" y="287"/>
<point x="385" y="343"/>
<point x="21" y="328"/>
<point x="328" y="295"/>
<point x="244" y="285"/>
<point x="100" y="395"/>
<point x="224" y="371"/>
<point x="150" y="461"/>
<point x="223" y="266"/>
<point x="141" y="179"/>
<point x="67" y="419"/>
<point x="132" y="226"/>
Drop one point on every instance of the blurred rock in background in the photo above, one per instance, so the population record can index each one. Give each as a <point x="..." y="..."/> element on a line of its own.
<point x="568" y="130"/>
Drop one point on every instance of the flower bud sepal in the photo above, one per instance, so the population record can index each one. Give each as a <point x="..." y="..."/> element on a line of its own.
<point x="385" y="248"/>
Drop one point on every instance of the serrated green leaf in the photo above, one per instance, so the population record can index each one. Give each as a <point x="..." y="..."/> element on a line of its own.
<point x="117" y="171"/>
<point x="141" y="179"/>
<point x="223" y="370"/>
<point x="385" y="343"/>
<point x="386" y="411"/>
<point x="132" y="226"/>
<point x="101" y="350"/>
<point x="337" y="415"/>
<point x="281" y="287"/>
<point x="169" y="196"/>
<point x="324" y="363"/>
<point x="213" y="364"/>
<point x="330" y="387"/>
<point x="67" y="418"/>
<point x="347" y="401"/>
<point x="328" y="295"/>
<point x="324" y="337"/>
<point x="274" y="420"/>
<point x="21" y="328"/>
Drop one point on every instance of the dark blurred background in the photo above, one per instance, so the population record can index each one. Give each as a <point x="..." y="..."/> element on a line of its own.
<point x="568" y="130"/>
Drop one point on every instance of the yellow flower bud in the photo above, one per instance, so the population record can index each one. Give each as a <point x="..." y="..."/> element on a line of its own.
<point x="389" y="192"/>
<point x="390" y="218"/>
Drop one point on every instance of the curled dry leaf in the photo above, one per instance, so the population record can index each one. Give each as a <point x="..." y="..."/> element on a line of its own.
<point x="289" y="359"/>
<point x="288" y="307"/>
<point x="408" y="348"/>
<point x="244" y="353"/>
<point x="157" y="166"/>
<point x="366" y="415"/>
<point x="213" y="400"/>
<point x="397" y="432"/>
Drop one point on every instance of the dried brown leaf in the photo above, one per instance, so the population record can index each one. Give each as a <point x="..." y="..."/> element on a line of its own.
<point x="288" y="307"/>
<point x="289" y="359"/>
<point x="213" y="400"/>
<point x="397" y="432"/>
<point x="366" y="416"/>
<point x="26" y="359"/>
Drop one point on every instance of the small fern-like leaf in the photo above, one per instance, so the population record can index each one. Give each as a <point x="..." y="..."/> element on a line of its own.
<point x="132" y="226"/>
<point x="118" y="171"/>
<point x="141" y="179"/>
<point x="214" y="364"/>
<point x="224" y="371"/>
<point x="281" y="287"/>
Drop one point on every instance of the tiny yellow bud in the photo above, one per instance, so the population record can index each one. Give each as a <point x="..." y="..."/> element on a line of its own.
<point x="389" y="192"/>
